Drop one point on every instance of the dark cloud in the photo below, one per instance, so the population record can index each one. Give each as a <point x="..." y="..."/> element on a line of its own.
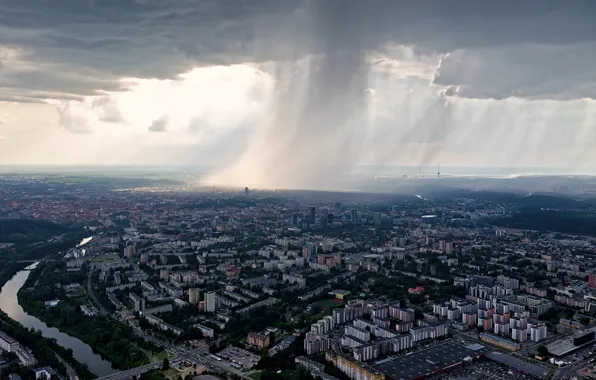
<point x="525" y="71"/>
<point x="96" y="42"/>
<point x="158" y="125"/>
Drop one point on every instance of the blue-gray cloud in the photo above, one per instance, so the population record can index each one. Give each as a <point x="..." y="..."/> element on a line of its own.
<point x="83" y="46"/>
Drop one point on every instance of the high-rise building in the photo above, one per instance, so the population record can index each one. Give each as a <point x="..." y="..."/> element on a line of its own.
<point x="164" y="274"/>
<point x="210" y="302"/>
<point x="193" y="296"/>
<point x="538" y="332"/>
<point x="129" y="250"/>
<point x="448" y="247"/>
<point x="324" y="217"/>
<point x="144" y="258"/>
<point x="377" y="218"/>
<point x="138" y="301"/>
<point x="294" y="220"/>
<point x="311" y="215"/>
<point x="592" y="281"/>
<point x="354" y="216"/>
<point x="246" y="191"/>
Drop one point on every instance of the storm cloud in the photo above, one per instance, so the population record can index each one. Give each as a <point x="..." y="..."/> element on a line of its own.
<point x="80" y="47"/>
<point x="301" y="91"/>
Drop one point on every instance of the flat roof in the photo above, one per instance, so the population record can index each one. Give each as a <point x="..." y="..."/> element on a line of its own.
<point x="426" y="362"/>
<point x="7" y="338"/>
<point x="565" y="346"/>
<point x="475" y="347"/>
<point x="518" y="364"/>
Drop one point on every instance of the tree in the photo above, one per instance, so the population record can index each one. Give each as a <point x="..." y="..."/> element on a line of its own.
<point x="166" y="365"/>
<point x="418" y="314"/>
<point x="542" y="350"/>
<point x="480" y="329"/>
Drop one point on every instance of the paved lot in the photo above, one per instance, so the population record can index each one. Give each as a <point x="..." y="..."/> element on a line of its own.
<point x="427" y="361"/>
<point x="482" y="370"/>
<point x="518" y="364"/>
<point x="239" y="356"/>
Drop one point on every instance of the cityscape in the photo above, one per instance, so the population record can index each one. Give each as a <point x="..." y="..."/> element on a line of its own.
<point x="128" y="277"/>
<point x="297" y="190"/>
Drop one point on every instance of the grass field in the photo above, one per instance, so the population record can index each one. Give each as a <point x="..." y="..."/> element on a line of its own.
<point x="160" y="356"/>
<point x="255" y="376"/>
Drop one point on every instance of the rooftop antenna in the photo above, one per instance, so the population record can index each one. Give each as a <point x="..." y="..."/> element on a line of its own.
<point x="438" y="172"/>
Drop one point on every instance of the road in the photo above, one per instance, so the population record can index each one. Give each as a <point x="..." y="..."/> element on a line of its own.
<point x="122" y="375"/>
<point x="90" y="293"/>
<point x="71" y="372"/>
<point x="180" y="352"/>
<point x="193" y="356"/>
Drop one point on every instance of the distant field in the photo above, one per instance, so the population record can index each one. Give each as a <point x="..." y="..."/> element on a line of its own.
<point x="329" y="304"/>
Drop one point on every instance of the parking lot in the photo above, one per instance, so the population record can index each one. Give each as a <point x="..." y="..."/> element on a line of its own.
<point x="483" y="369"/>
<point x="238" y="358"/>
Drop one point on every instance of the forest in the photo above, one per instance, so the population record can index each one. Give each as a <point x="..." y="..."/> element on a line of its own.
<point x="570" y="222"/>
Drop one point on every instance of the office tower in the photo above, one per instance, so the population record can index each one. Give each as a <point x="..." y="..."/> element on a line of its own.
<point x="311" y="215"/>
<point x="246" y="191"/>
<point x="354" y="217"/>
<point x="294" y="220"/>
<point x="210" y="302"/>
<point x="324" y="217"/>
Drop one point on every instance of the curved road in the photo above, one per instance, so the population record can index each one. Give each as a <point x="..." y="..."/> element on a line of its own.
<point x="71" y="372"/>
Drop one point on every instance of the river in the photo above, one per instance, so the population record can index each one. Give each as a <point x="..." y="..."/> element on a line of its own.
<point x="81" y="351"/>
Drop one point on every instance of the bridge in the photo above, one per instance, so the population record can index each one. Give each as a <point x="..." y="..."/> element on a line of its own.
<point x="127" y="374"/>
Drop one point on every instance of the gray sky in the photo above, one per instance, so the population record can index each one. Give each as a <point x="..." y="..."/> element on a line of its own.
<point x="290" y="92"/>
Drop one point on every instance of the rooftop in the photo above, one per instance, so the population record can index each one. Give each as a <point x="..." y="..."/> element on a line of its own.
<point x="428" y="361"/>
<point x="518" y="364"/>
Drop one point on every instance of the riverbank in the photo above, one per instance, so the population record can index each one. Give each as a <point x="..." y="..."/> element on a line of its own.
<point x="47" y="351"/>
<point x="113" y="341"/>
<point x="82" y="353"/>
<point x="44" y="349"/>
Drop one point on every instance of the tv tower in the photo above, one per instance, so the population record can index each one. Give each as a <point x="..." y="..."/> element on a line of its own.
<point x="438" y="172"/>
